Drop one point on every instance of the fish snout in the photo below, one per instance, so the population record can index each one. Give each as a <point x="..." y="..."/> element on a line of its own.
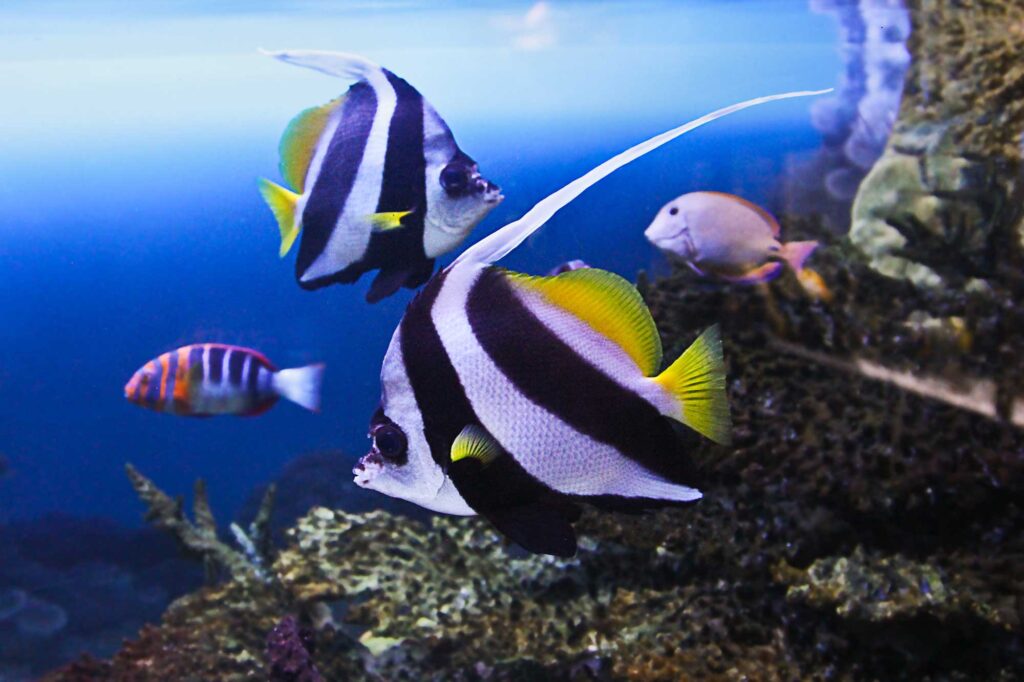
<point x="678" y="241"/>
<point x="368" y="468"/>
<point x="133" y="389"/>
<point x="490" y="192"/>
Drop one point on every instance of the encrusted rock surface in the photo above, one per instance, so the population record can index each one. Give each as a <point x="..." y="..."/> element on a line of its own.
<point x="942" y="205"/>
<point x="852" y="531"/>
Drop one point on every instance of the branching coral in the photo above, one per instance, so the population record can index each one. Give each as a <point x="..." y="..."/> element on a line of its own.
<point x="199" y="537"/>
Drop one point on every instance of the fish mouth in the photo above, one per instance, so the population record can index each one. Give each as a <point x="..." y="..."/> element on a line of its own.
<point x="490" y="192"/>
<point x="367" y="468"/>
<point x="679" y="242"/>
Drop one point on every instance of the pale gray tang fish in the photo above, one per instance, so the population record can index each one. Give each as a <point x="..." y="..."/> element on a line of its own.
<point x="725" y="236"/>
<point x="379" y="182"/>
<point x="519" y="397"/>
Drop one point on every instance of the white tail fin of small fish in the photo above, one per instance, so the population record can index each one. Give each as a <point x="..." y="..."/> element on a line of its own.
<point x="338" y="64"/>
<point x="301" y="385"/>
<point x="499" y="244"/>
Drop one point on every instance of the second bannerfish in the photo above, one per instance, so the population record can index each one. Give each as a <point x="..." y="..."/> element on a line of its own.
<point x="378" y="182"/>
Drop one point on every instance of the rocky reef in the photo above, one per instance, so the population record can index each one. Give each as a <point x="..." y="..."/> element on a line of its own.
<point x="854" y="530"/>
<point x="866" y="523"/>
<point x="943" y="204"/>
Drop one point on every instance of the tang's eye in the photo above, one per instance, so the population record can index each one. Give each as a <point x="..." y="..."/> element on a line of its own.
<point x="455" y="179"/>
<point x="390" y="442"/>
<point x="673" y="211"/>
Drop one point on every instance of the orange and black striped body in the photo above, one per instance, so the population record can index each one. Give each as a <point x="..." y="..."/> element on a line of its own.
<point x="205" y="379"/>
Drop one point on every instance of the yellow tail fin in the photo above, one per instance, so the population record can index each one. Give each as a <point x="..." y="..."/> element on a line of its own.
<point x="697" y="381"/>
<point x="282" y="203"/>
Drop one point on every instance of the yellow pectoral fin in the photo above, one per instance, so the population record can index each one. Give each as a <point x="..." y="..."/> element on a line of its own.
<point x="384" y="222"/>
<point x="697" y="381"/>
<point x="282" y="202"/>
<point x="474" y="442"/>
<point x="609" y="304"/>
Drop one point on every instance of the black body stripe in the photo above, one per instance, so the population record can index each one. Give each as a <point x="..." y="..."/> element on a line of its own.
<point x="216" y="364"/>
<point x="252" y="381"/>
<point x="405" y="168"/>
<point x="404" y="188"/>
<point x="195" y="359"/>
<point x="236" y="363"/>
<point x="435" y="384"/>
<point x="337" y="175"/>
<point x="152" y="396"/>
<point x="172" y="372"/>
<point x="552" y="375"/>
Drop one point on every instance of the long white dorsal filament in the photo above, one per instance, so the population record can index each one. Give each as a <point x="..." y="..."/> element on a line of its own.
<point x="499" y="244"/>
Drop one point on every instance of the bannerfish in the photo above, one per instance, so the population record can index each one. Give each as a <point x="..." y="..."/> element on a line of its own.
<point x="519" y="397"/>
<point x="206" y="379"/>
<point x="725" y="236"/>
<point x="379" y="182"/>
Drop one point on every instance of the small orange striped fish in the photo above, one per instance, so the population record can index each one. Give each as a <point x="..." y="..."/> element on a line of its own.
<point x="206" y="379"/>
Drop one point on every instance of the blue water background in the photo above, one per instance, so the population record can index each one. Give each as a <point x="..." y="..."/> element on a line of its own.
<point x="131" y="224"/>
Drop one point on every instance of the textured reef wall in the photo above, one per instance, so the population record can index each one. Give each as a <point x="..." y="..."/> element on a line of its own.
<point x="853" y="531"/>
<point x="943" y="204"/>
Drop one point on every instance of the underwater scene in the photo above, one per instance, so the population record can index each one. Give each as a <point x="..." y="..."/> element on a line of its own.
<point x="511" y="341"/>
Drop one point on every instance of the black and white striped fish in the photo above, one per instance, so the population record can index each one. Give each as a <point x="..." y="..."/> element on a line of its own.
<point x="519" y="397"/>
<point x="380" y="183"/>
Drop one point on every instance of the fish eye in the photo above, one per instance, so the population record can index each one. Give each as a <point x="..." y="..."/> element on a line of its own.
<point x="390" y="442"/>
<point x="455" y="178"/>
<point x="674" y="210"/>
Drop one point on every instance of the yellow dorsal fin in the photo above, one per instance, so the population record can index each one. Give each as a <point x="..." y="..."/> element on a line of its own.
<point x="474" y="442"/>
<point x="298" y="143"/>
<point x="609" y="304"/>
<point x="697" y="381"/>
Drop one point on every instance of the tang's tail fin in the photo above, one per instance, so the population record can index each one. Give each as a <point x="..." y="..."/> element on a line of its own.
<point x="282" y="202"/>
<point x="301" y="385"/>
<point x="697" y="381"/>
<point x="796" y="253"/>
<point x="338" y="64"/>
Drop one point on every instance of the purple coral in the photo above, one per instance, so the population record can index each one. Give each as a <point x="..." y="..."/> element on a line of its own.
<point x="289" y="653"/>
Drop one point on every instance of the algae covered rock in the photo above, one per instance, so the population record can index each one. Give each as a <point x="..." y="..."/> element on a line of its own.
<point x="941" y="204"/>
<point x="880" y="588"/>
